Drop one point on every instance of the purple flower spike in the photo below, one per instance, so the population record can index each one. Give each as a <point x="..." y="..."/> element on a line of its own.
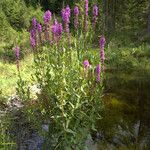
<point x="34" y="23"/>
<point x="32" y="33"/>
<point x="102" y="55"/>
<point x="98" y="72"/>
<point x="47" y="17"/>
<point x="86" y="64"/>
<point x="66" y="19"/>
<point x="102" y="42"/>
<point x="98" y="69"/>
<point x="68" y="11"/>
<point x="33" y="38"/>
<point x="95" y="10"/>
<point x="54" y="27"/>
<point x="86" y="7"/>
<point x="63" y="12"/>
<point x="39" y="27"/>
<point x="76" y="13"/>
<point x="57" y="30"/>
<point x="95" y="15"/>
<point x="66" y="14"/>
<point x="32" y="42"/>
<point x="60" y="29"/>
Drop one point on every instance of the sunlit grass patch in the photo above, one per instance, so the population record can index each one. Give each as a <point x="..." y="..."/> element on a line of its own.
<point x="9" y="75"/>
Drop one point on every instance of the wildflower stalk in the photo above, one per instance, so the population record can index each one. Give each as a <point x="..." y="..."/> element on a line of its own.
<point x="66" y="19"/>
<point x="76" y="13"/>
<point x="95" y="15"/>
<point x="47" y="18"/>
<point x="39" y="27"/>
<point x="17" y="53"/>
<point x="98" y="72"/>
<point x="102" y="43"/>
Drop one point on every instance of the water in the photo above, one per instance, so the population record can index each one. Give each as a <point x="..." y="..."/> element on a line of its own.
<point x="126" y="119"/>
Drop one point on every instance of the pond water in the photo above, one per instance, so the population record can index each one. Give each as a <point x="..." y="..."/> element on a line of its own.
<point x="126" y="119"/>
<point x="125" y="123"/>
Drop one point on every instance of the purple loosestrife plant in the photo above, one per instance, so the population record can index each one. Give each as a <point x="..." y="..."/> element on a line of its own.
<point x="95" y="15"/>
<point x="86" y="15"/>
<point x="76" y="14"/>
<point x="102" y="43"/>
<point x="47" y="18"/>
<point x="98" y="72"/>
<point x="17" y="53"/>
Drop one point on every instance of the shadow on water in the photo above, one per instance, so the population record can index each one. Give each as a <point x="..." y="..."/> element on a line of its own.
<point x="126" y="119"/>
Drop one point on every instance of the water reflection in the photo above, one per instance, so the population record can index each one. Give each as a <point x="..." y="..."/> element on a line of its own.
<point x="126" y="119"/>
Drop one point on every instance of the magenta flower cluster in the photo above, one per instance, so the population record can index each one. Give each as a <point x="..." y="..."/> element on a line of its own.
<point x="57" y="30"/>
<point x="86" y="64"/>
<point x="66" y="14"/>
<point x="76" y="11"/>
<point x="47" y="17"/>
